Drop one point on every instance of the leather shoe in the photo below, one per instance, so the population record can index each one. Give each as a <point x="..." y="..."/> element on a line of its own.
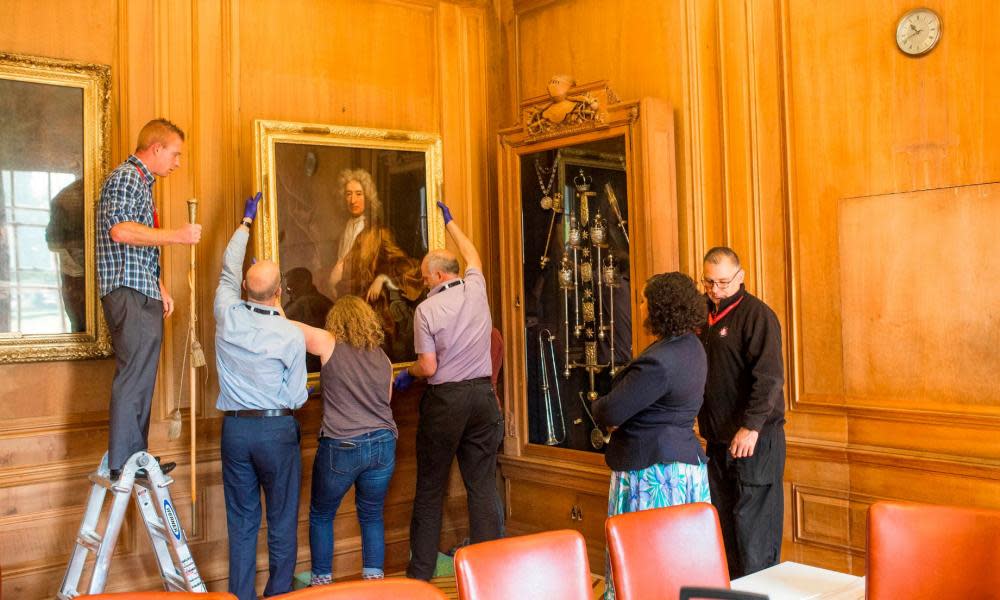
<point x="165" y="467"/>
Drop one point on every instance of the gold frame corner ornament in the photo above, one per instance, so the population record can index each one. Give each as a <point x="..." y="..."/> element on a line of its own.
<point x="95" y="82"/>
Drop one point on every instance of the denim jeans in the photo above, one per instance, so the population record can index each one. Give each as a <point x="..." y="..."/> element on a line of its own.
<point x="366" y="462"/>
<point x="261" y="453"/>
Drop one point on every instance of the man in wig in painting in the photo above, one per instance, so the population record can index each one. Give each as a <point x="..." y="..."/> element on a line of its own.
<point x="372" y="266"/>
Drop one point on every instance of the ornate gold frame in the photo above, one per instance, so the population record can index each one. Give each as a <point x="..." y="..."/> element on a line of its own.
<point x="269" y="133"/>
<point x="95" y="81"/>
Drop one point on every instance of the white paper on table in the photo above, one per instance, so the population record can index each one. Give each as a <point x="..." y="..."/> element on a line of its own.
<point x="795" y="581"/>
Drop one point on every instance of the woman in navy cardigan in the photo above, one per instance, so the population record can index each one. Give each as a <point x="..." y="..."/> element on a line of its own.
<point x="654" y="456"/>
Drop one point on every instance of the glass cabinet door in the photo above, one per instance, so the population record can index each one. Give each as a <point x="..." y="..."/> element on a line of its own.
<point x="577" y="286"/>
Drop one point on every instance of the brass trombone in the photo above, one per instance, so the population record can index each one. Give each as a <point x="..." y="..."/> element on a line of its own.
<point x="547" y="367"/>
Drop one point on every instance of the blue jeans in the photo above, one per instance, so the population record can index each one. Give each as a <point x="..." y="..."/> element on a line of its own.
<point x="261" y="453"/>
<point x="366" y="462"/>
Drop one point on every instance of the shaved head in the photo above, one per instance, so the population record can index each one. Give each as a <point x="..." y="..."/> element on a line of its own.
<point x="263" y="281"/>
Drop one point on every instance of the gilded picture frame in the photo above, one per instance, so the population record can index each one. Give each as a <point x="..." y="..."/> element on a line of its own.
<point x="306" y="223"/>
<point x="53" y="157"/>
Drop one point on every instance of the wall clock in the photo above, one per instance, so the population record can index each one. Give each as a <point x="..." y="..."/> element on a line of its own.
<point x="918" y="31"/>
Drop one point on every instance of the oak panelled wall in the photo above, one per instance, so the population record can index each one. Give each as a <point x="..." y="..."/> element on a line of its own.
<point x="859" y="186"/>
<point x="214" y="67"/>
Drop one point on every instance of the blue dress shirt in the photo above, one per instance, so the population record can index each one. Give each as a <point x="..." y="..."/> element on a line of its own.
<point x="260" y="356"/>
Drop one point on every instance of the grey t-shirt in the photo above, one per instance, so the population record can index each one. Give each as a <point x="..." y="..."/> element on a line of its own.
<point x="355" y="385"/>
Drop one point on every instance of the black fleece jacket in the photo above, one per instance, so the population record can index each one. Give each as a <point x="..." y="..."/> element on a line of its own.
<point x="745" y="370"/>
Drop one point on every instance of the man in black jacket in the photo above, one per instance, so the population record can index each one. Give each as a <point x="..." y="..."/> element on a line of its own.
<point x="743" y="416"/>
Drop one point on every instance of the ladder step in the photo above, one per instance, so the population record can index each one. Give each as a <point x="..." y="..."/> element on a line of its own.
<point x="159" y="530"/>
<point x="167" y="481"/>
<point x="101" y="480"/>
<point x="90" y="540"/>
<point x="178" y="582"/>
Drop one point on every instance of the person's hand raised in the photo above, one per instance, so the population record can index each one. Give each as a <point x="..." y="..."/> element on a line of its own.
<point x="250" y="208"/>
<point x="445" y="212"/>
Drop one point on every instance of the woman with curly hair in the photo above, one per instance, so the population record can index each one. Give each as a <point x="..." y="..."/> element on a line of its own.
<point x="654" y="456"/>
<point x="357" y="440"/>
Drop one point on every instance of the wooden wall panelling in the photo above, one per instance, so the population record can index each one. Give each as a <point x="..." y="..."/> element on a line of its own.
<point x="871" y="136"/>
<point x="462" y="61"/>
<point x="214" y="67"/>
<point x="795" y="119"/>
<point x="700" y="167"/>
<point x="643" y="49"/>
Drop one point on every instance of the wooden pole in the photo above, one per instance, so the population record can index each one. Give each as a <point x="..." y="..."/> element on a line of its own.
<point x="193" y="372"/>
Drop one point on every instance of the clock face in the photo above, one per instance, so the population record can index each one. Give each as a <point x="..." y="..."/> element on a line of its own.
<point x="918" y="31"/>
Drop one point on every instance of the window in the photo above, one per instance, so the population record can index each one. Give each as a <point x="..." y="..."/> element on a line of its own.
<point x="41" y="252"/>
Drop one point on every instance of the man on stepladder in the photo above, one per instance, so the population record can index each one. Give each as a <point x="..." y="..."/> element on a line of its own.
<point x="133" y="297"/>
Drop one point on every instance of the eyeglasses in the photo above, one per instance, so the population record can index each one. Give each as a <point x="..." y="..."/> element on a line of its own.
<point x="722" y="285"/>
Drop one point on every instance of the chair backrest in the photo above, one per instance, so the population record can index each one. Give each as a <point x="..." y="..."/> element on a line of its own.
<point x="704" y="593"/>
<point x="410" y="589"/>
<point x="918" y="551"/>
<point x="160" y="596"/>
<point x="541" y="566"/>
<point x="656" y="552"/>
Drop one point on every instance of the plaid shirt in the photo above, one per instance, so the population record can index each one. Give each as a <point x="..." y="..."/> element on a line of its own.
<point x="127" y="195"/>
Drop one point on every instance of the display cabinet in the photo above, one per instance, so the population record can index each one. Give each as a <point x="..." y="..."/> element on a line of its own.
<point x="588" y="209"/>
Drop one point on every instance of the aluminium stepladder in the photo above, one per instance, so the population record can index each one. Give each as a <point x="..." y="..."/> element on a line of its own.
<point x="152" y="498"/>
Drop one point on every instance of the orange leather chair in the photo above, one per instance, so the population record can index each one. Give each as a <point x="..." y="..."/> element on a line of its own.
<point x="541" y="566"/>
<point x="656" y="552"/>
<point x="160" y="596"/>
<point x="408" y="589"/>
<point x="922" y="551"/>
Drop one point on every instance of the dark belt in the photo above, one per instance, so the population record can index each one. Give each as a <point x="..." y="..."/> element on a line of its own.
<point x="271" y="412"/>
<point x="448" y="385"/>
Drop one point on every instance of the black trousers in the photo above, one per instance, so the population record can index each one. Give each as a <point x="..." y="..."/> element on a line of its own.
<point x="135" y="322"/>
<point x="748" y="494"/>
<point x="456" y="419"/>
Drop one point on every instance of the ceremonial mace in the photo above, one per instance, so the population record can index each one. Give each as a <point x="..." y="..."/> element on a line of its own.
<point x="197" y="360"/>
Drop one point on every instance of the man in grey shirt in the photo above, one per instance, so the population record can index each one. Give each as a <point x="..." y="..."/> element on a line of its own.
<point x="459" y="414"/>
<point x="261" y="360"/>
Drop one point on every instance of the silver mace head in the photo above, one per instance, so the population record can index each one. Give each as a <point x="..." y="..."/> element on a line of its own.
<point x="597" y="230"/>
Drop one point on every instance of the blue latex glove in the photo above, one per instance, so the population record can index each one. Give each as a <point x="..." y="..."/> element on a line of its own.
<point x="250" y="209"/>
<point x="403" y="380"/>
<point x="445" y="212"/>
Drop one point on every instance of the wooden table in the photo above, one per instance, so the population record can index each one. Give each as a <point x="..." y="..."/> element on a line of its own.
<point x="795" y="581"/>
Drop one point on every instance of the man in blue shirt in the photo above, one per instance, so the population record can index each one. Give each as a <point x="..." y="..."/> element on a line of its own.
<point x="133" y="296"/>
<point x="261" y="360"/>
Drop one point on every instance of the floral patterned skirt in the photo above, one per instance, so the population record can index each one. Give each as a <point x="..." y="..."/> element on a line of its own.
<point x="656" y="486"/>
